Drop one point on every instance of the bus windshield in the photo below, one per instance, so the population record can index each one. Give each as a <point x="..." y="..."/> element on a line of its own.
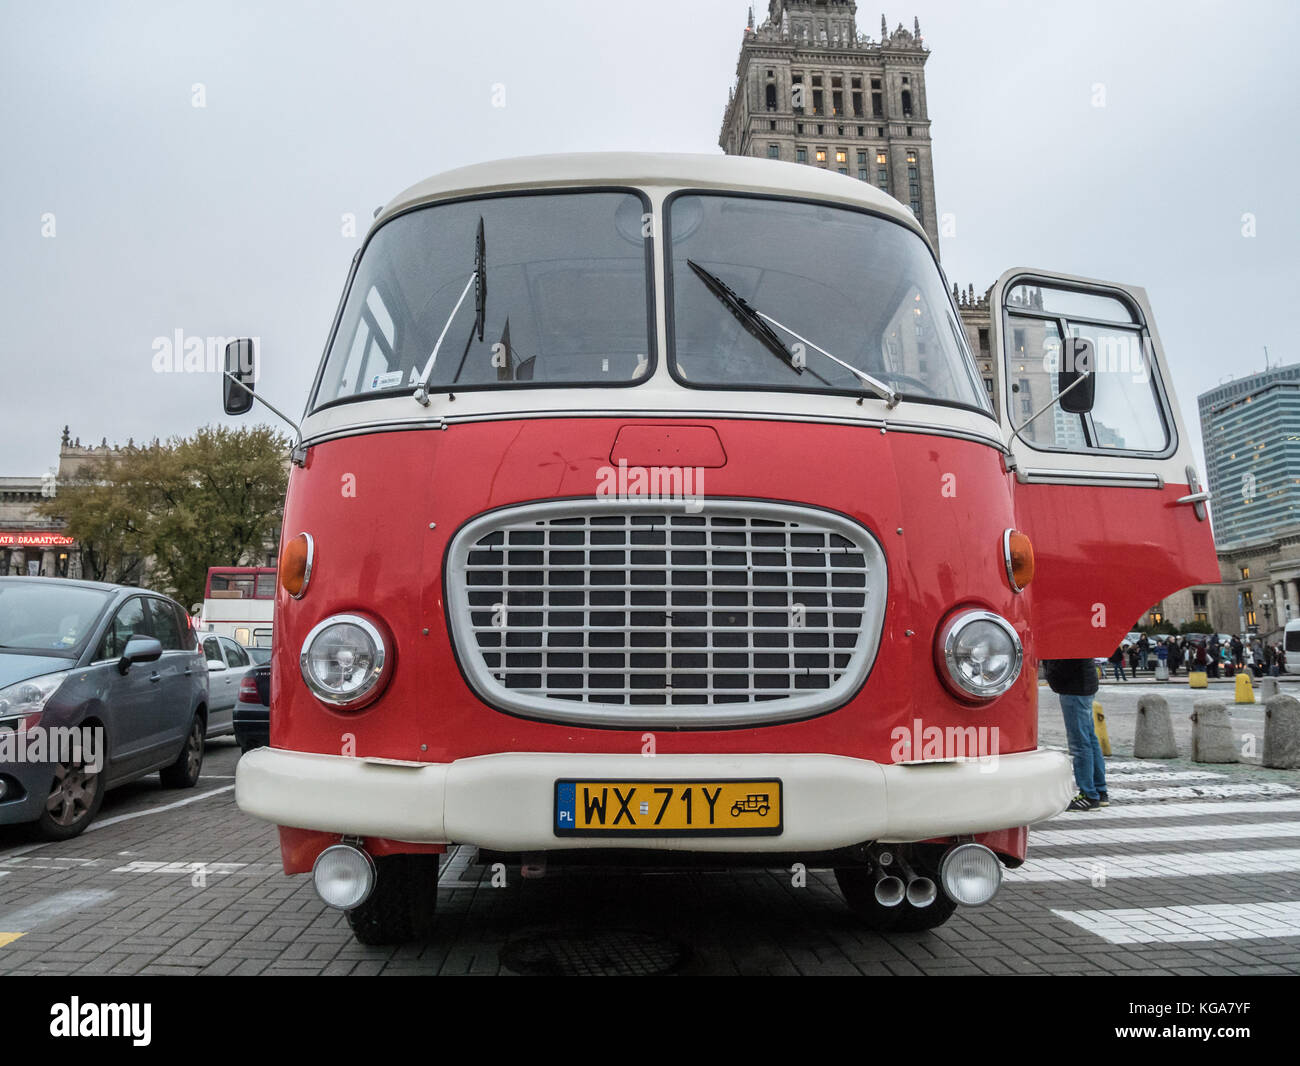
<point x="833" y="280"/>
<point x="564" y="298"/>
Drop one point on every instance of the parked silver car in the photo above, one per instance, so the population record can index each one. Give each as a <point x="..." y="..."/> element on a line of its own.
<point x="228" y="662"/>
<point x="99" y="685"/>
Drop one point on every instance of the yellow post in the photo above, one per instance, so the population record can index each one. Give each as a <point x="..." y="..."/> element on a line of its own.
<point x="1198" y="679"/>
<point x="1245" y="690"/>
<point x="1099" y="727"/>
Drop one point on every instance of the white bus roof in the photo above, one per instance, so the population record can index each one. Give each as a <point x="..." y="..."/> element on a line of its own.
<point x="729" y="172"/>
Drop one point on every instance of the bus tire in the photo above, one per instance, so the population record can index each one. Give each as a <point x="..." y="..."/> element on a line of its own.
<point x="402" y="906"/>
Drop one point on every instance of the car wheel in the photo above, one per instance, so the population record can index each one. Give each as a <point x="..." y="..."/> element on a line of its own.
<point x="184" y="772"/>
<point x="75" y="795"/>
<point x="402" y="906"/>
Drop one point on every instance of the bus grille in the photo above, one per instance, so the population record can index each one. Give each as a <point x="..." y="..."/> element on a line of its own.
<point x="638" y="612"/>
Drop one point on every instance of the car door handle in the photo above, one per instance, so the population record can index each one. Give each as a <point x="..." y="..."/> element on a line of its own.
<point x="155" y="677"/>
<point x="1194" y="497"/>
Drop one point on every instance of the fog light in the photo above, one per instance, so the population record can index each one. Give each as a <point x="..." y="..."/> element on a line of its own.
<point x="343" y="876"/>
<point x="971" y="874"/>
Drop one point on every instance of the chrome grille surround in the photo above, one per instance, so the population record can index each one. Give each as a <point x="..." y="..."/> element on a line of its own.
<point x="638" y="612"/>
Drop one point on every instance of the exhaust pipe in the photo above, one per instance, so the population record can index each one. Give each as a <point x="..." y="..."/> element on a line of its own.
<point x="890" y="890"/>
<point x="921" y="891"/>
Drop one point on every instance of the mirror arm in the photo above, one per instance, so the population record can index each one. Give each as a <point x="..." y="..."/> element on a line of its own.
<point x="299" y="456"/>
<point x="1047" y="406"/>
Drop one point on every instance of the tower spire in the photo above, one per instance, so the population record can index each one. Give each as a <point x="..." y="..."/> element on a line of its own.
<point x="884" y="28"/>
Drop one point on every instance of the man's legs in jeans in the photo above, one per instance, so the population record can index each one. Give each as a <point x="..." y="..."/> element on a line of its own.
<point x="1085" y="748"/>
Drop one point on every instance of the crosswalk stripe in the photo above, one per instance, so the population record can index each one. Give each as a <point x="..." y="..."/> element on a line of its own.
<point x="1162" y="834"/>
<point x="1149" y="811"/>
<point x="1213" y="921"/>
<point x="1168" y="775"/>
<point x="1256" y="788"/>
<point x="1160" y="864"/>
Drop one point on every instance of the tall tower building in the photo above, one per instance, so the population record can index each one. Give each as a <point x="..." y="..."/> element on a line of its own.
<point x="1250" y="428"/>
<point x="810" y="89"/>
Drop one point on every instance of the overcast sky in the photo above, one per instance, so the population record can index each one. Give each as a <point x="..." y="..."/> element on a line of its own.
<point x="227" y="219"/>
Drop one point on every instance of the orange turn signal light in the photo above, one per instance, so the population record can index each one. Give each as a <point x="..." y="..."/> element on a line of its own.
<point x="296" y="559"/>
<point x="1018" y="553"/>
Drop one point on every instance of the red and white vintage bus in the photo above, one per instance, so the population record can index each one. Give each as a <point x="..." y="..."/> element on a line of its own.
<point x="239" y="603"/>
<point x="651" y="508"/>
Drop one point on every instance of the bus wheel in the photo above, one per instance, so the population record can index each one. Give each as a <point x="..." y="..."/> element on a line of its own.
<point x="858" y="884"/>
<point x="401" y="907"/>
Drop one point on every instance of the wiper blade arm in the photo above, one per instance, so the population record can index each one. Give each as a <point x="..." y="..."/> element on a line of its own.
<point x="890" y="395"/>
<point x="751" y="319"/>
<point x="756" y="323"/>
<point x="478" y="280"/>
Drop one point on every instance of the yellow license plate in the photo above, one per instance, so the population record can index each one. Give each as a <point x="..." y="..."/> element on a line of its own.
<point x="668" y="808"/>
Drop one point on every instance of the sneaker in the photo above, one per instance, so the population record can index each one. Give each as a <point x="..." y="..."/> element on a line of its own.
<point x="1103" y="800"/>
<point x="1083" y="803"/>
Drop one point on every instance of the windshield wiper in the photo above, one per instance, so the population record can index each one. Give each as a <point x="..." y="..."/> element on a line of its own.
<point x="755" y="322"/>
<point x="751" y="319"/>
<point x="479" y="281"/>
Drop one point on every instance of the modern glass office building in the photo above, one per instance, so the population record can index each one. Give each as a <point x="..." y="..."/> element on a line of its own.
<point x="1251" y="431"/>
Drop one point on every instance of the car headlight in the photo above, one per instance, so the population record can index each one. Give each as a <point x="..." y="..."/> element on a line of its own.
<point x="29" y="697"/>
<point x="979" y="653"/>
<point x="345" y="661"/>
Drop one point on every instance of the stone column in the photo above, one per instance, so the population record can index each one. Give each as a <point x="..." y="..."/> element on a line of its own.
<point x="1279" y="609"/>
<point x="1293" y="598"/>
<point x="18" y="562"/>
<point x="47" y="562"/>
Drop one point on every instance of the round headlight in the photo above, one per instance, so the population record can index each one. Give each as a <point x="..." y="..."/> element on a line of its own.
<point x="971" y="874"/>
<point x="343" y="876"/>
<point x="343" y="660"/>
<point x="981" y="654"/>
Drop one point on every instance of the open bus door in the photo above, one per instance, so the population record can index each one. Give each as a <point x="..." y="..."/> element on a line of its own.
<point x="1106" y="484"/>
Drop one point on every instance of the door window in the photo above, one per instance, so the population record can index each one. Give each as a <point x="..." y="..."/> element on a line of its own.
<point x="235" y="655"/>
<point x="212" y="650"/>
<point x="164" y="625"/>
<point x="130" y="621"/>
<point x="1128" y="413"/>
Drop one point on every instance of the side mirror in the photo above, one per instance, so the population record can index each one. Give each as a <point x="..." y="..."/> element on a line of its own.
<point x="139" y="650"/>
<point x="241" y="366"/>
<point x="1079" y="363"/>
<point x="214" y="666"/>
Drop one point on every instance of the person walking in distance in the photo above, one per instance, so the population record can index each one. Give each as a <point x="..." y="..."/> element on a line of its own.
<point x="1075" y="682"/>
<point x="1116" y="663"/>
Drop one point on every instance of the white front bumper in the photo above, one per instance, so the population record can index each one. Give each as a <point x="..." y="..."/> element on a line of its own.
<point x="506" y="802"/>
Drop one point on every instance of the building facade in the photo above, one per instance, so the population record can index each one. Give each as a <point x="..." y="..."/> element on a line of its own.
<point x="810" y="89"/>
<point x="32" y="543"/>
<point x="1250" y="429"/>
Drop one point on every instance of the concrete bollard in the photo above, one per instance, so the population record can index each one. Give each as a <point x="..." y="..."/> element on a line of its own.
<point x="1162" y="670"/>
<point x="1282" y="733"/>
<point x="1212" y="733"/>
<point x="1154" y="732"/>
<point x="1198" y="679"/>
<point x="1267" y="688"/>
<point x="1245" y="690"/>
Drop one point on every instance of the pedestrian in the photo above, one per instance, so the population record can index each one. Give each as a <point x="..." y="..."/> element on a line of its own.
<point x="1269" y="660"/>
<point x="1133" y="659"/>
<point x="1117" y="664"/>
<point x="1075" y="682"/>
<point x="1212" y="657"/>
<point x="1201" y="658"/>
<point x="1144" y="653"/>
<point x="1175" y="656"/>
<point x="1238" y="650"/>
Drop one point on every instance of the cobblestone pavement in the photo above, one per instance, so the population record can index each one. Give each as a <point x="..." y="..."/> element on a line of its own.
<point x="1191" y="870"/>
